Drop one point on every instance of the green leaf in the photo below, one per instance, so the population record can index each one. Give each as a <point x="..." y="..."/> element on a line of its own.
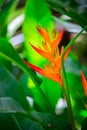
<point x="8" y="52"/>
<point x="7" y="122"/>
<point x="50" y="123"/>
<point x="24" y="119"/>
<point x="84" y="124"/>
<point x="8" y="105"/>
<point x="52" y="91"/>
<point x="27" y="124"/>
<point x="36" y="13"/>
<point x="11" y="87"/>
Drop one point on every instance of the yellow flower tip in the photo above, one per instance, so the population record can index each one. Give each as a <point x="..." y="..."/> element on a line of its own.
<point x="53" y="76"/>
<point x="84" y="82"/>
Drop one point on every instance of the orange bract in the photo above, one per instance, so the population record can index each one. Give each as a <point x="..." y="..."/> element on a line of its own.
<point x="84" y="82"/>
<point x="51" y="52"/>
<point x="47" y="72"/>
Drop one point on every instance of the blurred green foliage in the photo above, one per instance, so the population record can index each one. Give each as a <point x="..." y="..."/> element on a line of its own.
<point x="18" y="82"/>
<point x="75" y="9"/>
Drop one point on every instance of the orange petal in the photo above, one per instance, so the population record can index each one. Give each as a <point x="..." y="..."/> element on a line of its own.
<point x="56" y="41"/>
<point x="55" y="77"/>
<point x="47" y="55"/>
<point x="44" y="34"/>
<point x="67" y="52"/>
<point x="84" y="82"/>
<point x="62" y="50"/>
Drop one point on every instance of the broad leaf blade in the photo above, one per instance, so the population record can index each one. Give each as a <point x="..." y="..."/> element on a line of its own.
<point x="37" y="13"/>
<point x="8" y="52"/>
<point x="11" y="87"/>
<point x="8" y="105"/>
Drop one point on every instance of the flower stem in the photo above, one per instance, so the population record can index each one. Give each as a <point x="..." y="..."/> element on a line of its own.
<point x="67" y="97"/>
<point x="65" y="85"/>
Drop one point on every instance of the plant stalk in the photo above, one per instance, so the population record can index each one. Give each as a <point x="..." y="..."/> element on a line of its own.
<point x="65" y="85"/>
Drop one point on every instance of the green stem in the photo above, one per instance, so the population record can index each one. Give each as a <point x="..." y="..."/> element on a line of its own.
<point x="65" y="85"/>
<point x="73" y="40"/>
<point x="67" y="97"/>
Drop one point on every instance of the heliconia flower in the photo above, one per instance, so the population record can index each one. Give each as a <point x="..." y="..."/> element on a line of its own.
<point x="84" y="82"/>
<point x="51" y="52"/>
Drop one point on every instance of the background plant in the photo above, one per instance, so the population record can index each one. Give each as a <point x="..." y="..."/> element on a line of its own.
<point x="19" y="84"/>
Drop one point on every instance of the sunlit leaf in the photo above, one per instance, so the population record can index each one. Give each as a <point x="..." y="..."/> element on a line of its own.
<point x="36" y="14"/>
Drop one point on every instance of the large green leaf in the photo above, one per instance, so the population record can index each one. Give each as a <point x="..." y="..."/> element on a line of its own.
<point x="9" y="106"/>
<point x="27" y="124"/>
<point x="8" y="52"/>
<point x="7" y="122"/>
<point x="10" y="86"/>
<point x="38" y="121"/>
<point x="36" y="13"/>
<point x="75" y="9"/>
